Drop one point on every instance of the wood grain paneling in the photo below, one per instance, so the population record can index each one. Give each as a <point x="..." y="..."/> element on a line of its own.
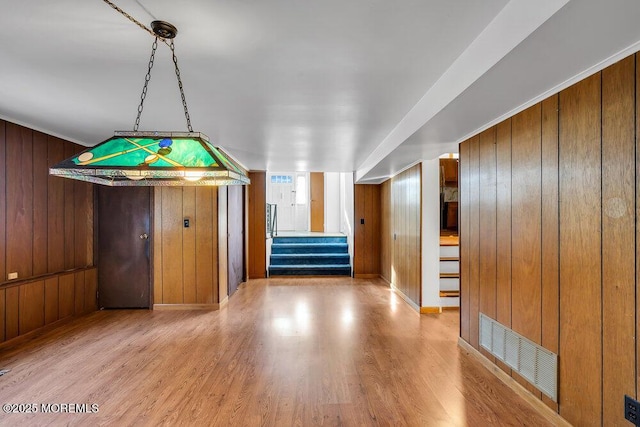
<point x="205" y="244"/>
<point x="474" y="239"/>
<point x="359" y="249"/>
<point x="367" y="231"/>
<point x="189" y="245"/>
<point x="185" y="263"/>
<point x="69" y="214"/>
<point x="90" y="288"/>
<point x="488" y="226"/>
<point x="12" y="312"/>
<point x="83" y="220"/>
<point x="55" y="209"/>
<point x="618" y="244"/>
<point x="156" y="238"/>
<point x="406" y="265"/>
<point x="580" y="256"/>
<point x="316" y="190"/>
<point x="637" y="213"/>
<point x="3" y="204"/>
<point x="567" y="209"/>
<point x="172" y="250"/>
<point x="78" y="294"/>
<point x="526" y="223"/>
<point x="31" y="306"/>
<point x="66" y="295"/>
<point x="526" y="217"/>
<point x="503" y="219"/>
<point x="257" y="226"/>
<point x="372" y="237"/>
<point x="19" y="174"/>
<point x="2" y="314"/>
<point x="51" y="300"/>
<point x="223" y="270"/>
<point x="40" y="204"/>
<point x="463" y="230"/>
<point x="33" y="225"/>
<point x="235" y="240"/>
<point x="550" y="327"/>
<point x="386" y="230"/>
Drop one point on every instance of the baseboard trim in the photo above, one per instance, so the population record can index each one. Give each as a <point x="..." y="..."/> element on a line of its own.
<point x="430" y="310"/>
<point x="405" y="298"/>
<point x="366" y="276"/>
<point x="450" y="308"/>
<point x="170" y="307"/>
<point x="551" y="416"/>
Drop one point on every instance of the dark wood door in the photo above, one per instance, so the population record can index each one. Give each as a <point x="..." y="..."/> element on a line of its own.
<point x="236" y="236"/>
<point x="124" y="215"/>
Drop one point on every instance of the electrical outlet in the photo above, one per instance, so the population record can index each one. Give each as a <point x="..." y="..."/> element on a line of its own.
<point x="12" y="276"/>
<point x="632" y="410"/>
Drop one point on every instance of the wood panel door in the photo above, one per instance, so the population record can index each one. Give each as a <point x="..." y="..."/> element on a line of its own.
<point x="317" y="201"/>
<point x="235" y="240"/>
<point x="124" y="217"/>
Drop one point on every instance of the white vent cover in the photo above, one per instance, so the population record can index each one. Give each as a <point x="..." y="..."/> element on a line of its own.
<point x="536" y="364"/>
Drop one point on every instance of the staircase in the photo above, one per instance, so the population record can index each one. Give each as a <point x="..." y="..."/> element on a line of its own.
<point x="449" y="275"/>
<point x="310" y="256"/>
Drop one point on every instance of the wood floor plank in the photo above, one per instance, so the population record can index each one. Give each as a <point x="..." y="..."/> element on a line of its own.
<point x="287" y="351"/>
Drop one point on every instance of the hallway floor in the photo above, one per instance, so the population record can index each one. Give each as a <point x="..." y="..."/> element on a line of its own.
<point x="283" y="352"/>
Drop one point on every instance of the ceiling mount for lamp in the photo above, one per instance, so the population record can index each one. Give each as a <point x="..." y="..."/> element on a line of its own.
<point x="154" y="158"/>
<point x="164" y="29"/>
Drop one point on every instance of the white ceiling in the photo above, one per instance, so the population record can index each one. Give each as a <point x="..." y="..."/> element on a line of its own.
<point x="369" y="86"/>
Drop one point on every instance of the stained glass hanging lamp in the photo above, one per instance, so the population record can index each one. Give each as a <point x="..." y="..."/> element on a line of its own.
<point x="151" y="158"/>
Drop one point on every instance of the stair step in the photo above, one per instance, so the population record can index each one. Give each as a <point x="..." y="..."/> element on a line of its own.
<point x="449" y="275"/>
<point x="310" y="270"/>
<point x="449" y="258"/>
<point x="310" y="239"/>
<point x="449" y="251"/>
<point x="309" y="259"/>
<point x="449" y="294"/>
<point x="297" y="248"/>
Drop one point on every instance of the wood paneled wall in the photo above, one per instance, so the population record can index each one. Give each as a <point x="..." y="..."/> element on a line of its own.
<point x="46" y="223"/>
<point x="46" y="229"/>
<point x="185" y="260"/>
<point x="555" y="196"/>
<point x="386" y="230"/>
<point x="257" y="218"/>
<point x="401" y="221"/>
<point x="30" y="305"/>
<point x="367" y="233"/>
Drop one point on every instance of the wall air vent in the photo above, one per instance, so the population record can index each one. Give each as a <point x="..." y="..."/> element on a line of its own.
<point x="536" y="364"/>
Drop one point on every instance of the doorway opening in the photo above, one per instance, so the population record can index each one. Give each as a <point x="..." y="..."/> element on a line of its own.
<point x="449" y="195"/>
<point x="289" y="191"/>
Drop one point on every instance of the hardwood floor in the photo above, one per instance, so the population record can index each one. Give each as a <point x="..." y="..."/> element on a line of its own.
<point x="283" y="352"/>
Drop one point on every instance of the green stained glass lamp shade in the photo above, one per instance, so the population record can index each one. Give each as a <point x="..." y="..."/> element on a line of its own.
<point x="153" y="158"/>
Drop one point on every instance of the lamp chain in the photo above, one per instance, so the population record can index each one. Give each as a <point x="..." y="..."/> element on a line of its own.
<point x="134" y="20"/>
<point x="143" y="95"/>
<point x="148" y="76"/>
<point x="184" y="101"/>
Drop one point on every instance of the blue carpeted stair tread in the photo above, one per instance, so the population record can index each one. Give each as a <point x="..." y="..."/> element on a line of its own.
<point x="306" y="239"/>
<point x="292" y="248"/>
<point x="310" y="255"/>
<point x="312" y="265"/>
